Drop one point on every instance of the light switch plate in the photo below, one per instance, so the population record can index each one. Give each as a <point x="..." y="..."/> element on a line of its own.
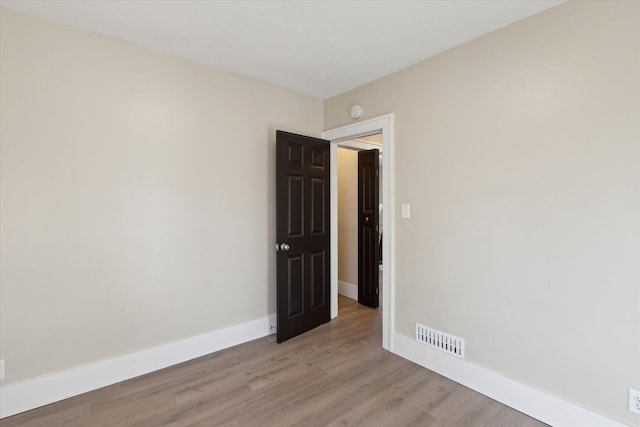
<point x="406" y="210"/>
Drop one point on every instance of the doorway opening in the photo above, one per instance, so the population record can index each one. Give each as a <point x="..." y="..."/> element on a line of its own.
<point x="383" y="125"/>
<point x="359" y="269"/>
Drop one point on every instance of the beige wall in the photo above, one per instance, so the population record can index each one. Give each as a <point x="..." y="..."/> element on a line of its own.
<point x="137" y="196"/>
<point x="519" y="153"/>
<point x="348" y="216"/>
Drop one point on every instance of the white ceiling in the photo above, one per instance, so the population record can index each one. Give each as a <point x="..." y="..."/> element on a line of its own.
<point x="320" y="48"/>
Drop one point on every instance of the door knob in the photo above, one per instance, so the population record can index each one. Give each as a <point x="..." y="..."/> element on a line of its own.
<point x="284" y="247"/>
<point x="366" y="219"/>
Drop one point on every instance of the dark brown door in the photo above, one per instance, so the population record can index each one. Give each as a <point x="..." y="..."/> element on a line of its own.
<point x="368" y="237"/>
<point x="302" y="233"/>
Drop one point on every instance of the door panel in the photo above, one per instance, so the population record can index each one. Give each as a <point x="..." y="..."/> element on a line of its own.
<point x="317" y="211"/>
<point x="368" y="218"/>
<point x="295" y="280"/>
<point x="302" y="232"/>
<point x="296" y="206"/>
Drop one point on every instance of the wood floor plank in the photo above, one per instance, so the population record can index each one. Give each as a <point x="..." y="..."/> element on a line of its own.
<point x="335" y="375"/>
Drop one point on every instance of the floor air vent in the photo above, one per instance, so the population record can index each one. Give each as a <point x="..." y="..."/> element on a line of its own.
<point x="440" y="340"/>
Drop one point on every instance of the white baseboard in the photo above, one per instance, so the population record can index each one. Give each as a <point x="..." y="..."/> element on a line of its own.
<point x="533" y="402"/>
<point x="348" y="290"/>
<point x="33" y="393"/>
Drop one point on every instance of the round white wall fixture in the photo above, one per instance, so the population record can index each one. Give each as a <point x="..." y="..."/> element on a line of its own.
<point x="357" y="111"/>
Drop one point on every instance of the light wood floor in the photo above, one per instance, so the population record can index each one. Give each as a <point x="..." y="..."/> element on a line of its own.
<point x="335" y="375"/>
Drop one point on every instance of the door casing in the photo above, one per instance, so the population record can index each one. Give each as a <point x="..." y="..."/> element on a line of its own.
<point x="385" y="125"/>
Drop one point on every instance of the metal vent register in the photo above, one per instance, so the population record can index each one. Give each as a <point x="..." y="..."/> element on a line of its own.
<point x="442" y="341"/>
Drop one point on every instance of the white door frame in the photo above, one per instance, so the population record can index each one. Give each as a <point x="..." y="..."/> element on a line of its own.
<point x="385" y="125"/>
